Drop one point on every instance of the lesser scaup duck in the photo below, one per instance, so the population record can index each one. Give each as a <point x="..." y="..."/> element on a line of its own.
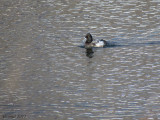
<point x="89" y="43"/>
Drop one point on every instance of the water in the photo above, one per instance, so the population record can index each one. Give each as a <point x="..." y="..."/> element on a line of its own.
<point x="46" y="75"/>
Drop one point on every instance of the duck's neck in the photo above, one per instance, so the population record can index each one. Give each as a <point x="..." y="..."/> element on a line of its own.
<point x="89" y="40"/>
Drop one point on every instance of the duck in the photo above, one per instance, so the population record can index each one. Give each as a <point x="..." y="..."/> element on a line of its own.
<point x="89" y="42"/>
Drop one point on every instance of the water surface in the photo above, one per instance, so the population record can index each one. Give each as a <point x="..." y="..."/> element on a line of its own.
<point x="45" y="75"/>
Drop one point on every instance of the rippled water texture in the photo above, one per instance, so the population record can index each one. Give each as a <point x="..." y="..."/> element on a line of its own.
<point x="44" y="74"/>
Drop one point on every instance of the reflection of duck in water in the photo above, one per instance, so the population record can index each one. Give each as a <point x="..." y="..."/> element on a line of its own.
<point x="89" y="52"/>
<point x="89" y="43"/>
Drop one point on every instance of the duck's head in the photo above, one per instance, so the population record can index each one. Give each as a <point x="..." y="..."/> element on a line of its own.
<point x="89" y="38"/>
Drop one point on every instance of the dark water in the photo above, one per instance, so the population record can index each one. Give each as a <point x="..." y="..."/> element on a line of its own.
<point x="45" y="75"/>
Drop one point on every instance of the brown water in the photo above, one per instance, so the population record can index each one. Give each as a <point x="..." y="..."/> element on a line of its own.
<point x="44" y="74"/>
